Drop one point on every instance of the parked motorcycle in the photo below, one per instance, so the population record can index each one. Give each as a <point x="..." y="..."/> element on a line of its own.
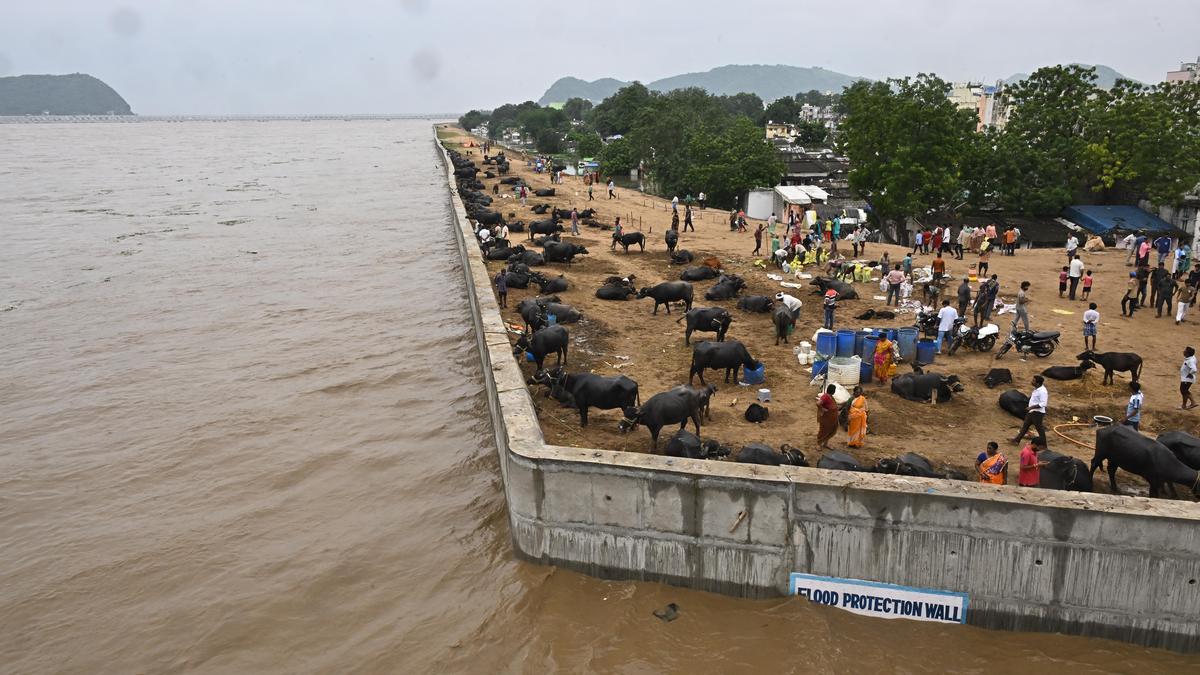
<point x="1041" y="344"/>
<point x="927" y="323"/>
<point x="979" y="339"/>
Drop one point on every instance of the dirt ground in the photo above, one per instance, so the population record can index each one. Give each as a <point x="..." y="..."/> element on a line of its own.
<point x="624" y="338"/>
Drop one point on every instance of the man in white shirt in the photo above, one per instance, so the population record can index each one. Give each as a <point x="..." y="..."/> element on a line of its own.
<point x="1072" y="244"/>
<point x="504" y="232"/>
<point x="1090" y="318"/>
<point x="1075" y="273"/>
<point x="946" y="317"/>
<point x="675" y="203"/>
<point x="1128" y="244"/>
<point x="1187" y="375"/>
<point x="792" y="303"/>
<point x="701" y="199"/>
<point x="1036" y="412"/>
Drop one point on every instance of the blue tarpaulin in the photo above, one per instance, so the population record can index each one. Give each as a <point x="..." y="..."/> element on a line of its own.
<point x="1107" y="219"/>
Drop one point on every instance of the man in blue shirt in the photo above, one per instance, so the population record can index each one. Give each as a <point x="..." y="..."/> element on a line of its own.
<point x="1133" y="411"/>
<point x="1163" y="246"/>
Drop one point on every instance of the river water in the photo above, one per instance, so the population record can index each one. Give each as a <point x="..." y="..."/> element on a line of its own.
<point x="242" y="430"/>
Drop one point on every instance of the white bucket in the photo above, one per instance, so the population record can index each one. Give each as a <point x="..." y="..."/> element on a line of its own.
<point x="805" y="347"/>
<point x="764" y="395"/>
<point x="845" y="371"/>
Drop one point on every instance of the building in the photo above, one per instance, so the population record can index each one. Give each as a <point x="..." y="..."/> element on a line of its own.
<point x="780" y="130"/>
<point x="986" y="101"/>
<point x="1188" y="72"/>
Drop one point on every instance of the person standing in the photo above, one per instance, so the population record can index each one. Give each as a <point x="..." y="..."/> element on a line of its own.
<point x="856" y="428"/>
<point x="1072" y="244"/>
<point x="1156" y="277"/>
<point x="946" y="317"/>
<point x="687" y="219"/>
<point x="1129" y="243"/>
<point x="1185" y="297"/>
<point x="1187" y="377"/>
<point x="1030" y="473"/>
<point x="522" y="193"/>
<point x="771" y="223"/>
<point x="675" y="203"/>
<point x="885" y="359"/>
<point x="991" y="466"/>
<point x="939" y="267"/>
<point x="612" y="189"/>
<point x="1035" y="415"/>
<point x="1129" y="300"/>
<point x="733" y="220"/>
<point x="984" y="255"/>
<point x="1023" y="300"/>
<point x="991" y="235"/>
<point x="1133" y="409"/>
<point x="860" y="237"/>
<point x="1090" y="318"/>
<point x="1076" y="273"/>
<point x="917" y="242"/>
<point x="590" y="197"/>
<point x="827" y="417"/>
<point x="501" y="282"/>
<point x="1010" y="241"/>
<point x="1165" y="288"/>
<point x="906" y="264"/>
<point x="574" y="221"/>
<point x="964" y="297"/>
<point x="1062" y="279"/>
<point x="977" y="309"/>
<point x="701" y="199"/>
<point x="894" y="279"/>
<point x="758" y="237"/>
<point x="1087" y="285"/>
<point x="1144" y="250"/>
<point x="993" y="290"/>
<point x="1163" y="246"/>
<point x="830" y="304"/>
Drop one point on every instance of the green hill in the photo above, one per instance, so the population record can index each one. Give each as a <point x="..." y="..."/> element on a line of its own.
<point x="75" y="94"/>
<point x="1105" y="77"/>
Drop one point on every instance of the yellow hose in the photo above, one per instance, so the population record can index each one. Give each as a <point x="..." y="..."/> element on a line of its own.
<point x="1073" y="424"/>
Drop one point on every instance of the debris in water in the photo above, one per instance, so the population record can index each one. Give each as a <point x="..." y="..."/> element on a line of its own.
<point x="670" y="613"/>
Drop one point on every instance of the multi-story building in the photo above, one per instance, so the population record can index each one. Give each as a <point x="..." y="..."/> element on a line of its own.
<point x="1188" y="72"/>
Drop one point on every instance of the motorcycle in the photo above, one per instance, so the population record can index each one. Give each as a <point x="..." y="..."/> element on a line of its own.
<point x="927" y="323"/>
<point x="979" y="339"/>
<point x="1041" y="344"/>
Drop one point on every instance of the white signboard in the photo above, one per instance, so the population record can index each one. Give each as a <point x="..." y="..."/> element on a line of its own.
<point x="886" y="601"/>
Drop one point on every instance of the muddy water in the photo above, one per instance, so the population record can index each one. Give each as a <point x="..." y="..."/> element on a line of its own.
<point x="241" y="430"/>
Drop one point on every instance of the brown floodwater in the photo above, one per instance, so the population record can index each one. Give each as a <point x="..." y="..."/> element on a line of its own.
<point x="242" y="431"/>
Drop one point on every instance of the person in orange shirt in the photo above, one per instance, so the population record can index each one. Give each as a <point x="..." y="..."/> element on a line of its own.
<point x="992" y="466"/>
<point x="1010" y="242"/>
<point x="938" y="266"/>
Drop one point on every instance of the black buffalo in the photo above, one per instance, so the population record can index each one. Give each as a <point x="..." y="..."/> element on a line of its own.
<point x="756" y="303"/>
<point x="699" y="273"/>
<point x="544" y="227"/>
<point x="563" y="252"/>
<point x="1125" y="362"/>
<point x="682" y="257"/>
<point x="784" y="323"/>
<point x="704" y="394"/>
<point x="668" y="292"/>
<point x="718" y="355"/>
<point x="759" y="453"/>
<point x="586" y="390"/>
<point x="997" y="376"/>
<point x="672" y="239"/>
<point x="1068" y="372"/>
<point x="556" y="285"/>
<point x="726" y="288"/>
<point x="549" y="238"/>
<point x="485" y="217"/>
<point x="615" y="292"/>
<point x="1014" y="403"/>
<point x="1185" y="446"/>
<point x="629" y="239"/>
<point x="531" y="258"/>
<point x="922" y="386"/>
<point x="707" y="320"/>
<point x="684" y="443"/>
<point x="563" y="313"/>
<point x="504" y="253"/>
<point x="670" y="407"/>
<point x="844" y="290"/>
<point x="840" y="461"/>
<point x="757" y="414"/>
<point x="533" y="314"/>
<point x="1123" y="448"/>
<point x="546" y="341"/>
<point x="1063" y="473"/>
<point x="544" y="192"/>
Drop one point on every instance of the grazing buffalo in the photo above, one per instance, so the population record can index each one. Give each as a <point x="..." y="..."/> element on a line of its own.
<point x="544" y="227"/>
<point x="629" y="239"/>
<point x="759" y="453"/>
<point x="593" y="391"/>
<point x="726" y="288"/>
<point x="756" y="303"/>
<point x="556" y="285"/>
<point x="718" y="355"/>
<point x="672" y="239"/>
<point x="997" y="376"/>
<point x="704" y="394"/>
<point x="615" y="292"/>
<point x="682" y="257"/>
<point x="840" y="461"/>
<point x="707" y="320"/>
<point x="669" y="407"/>
<point x="563" y="252"/>
<point x="684" y="443"/>
<point x="1068" y="372"/>
<point x="699" y="273"/>
<point x="922" y="387"/>
<point x="544" y="192"/>
<point x="1124" y="448"/>
<point x="1063" y="473"/>
<point x="504" y="253"/>
<point x="1124" y="362"/>
<point x="546" y="341"/>
<point x="757" y="414"/>
<point x="1014" y="403"/>
<point x="784" y="322"/>
<point x="668" y="292"/>
<point x="1185" y="446"/>
<point x="844" y="290"/>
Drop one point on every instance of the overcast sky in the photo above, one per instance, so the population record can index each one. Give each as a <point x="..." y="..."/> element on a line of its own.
<point x="326" y="56"/>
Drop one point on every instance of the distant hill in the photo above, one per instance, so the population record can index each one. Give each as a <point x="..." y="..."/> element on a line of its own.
<point x="769" y="82"/>
<point x="76" y="94"/>
<point x="1105" y="77"/>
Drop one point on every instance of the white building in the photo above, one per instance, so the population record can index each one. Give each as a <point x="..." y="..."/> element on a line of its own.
<point x="1188" y="72"/>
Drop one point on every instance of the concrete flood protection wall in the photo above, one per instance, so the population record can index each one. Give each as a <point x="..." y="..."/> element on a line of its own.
<point x="1126" y="568"/>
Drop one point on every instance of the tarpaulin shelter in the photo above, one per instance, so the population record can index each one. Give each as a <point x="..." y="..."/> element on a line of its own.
<point x="1109" y="221"/>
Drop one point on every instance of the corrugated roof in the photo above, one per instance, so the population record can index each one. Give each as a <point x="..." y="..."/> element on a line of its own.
<point x="793" y="194"/>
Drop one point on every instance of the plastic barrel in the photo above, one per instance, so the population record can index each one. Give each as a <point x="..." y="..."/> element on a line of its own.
<point x="755" y="376"/>
<point x="827" y="343"/>
<point x="926" y="350"/>
<point x="551" y="319"/>
<point x="865" y="370"/>
<point x="859" y="336"/>
<point x="868" y="348"/>
<point x="845" y="343"/>
<point x="907" y="341"/>
<point x="819" y="367"/>
<point x="845" y="371"/>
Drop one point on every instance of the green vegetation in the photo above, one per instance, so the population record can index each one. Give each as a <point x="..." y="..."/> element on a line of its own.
<point x="75" y="94"/>
<point x="768" y="82"/>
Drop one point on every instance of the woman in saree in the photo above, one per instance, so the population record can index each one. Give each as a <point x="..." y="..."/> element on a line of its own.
<point x="827" y="417"/>
<point x="885" y="364"/>
<point x="857" y="427"/>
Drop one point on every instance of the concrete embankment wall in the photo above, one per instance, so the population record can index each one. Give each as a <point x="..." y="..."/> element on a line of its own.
<point x="1125" y="568"/>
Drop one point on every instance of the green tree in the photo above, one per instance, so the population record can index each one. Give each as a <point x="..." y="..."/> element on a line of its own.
<point x="784" y="110"/>
<point x="577" y="108"/>
<point x="587" y="143"/>
<point x="905" y="140"/>
<point x="744" y="104"/>
<point x="472" y="119"/>
<point x="617" y="157"/>
<point x="505" y="117"/>
<point x="728" y="163"/>
<point x="617" y="113"/>
<point x="811" y="132"/>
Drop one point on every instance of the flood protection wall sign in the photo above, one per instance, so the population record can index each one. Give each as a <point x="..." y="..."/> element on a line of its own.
<point x="886" y="601"/>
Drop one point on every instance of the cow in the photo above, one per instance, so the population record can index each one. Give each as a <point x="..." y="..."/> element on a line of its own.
<point x="1125" y="362"/>
<point x="684" y="443"/>
<point x="726" y="288"/>
<point x="593" y="391"/>
<point x="704" y="393"/>
<point x="760" y="304"/>
<point x="629" y="239"/>
<point x="504" y="253"/>
<point x="668" y="292"/>
<point x="1185" y="446"/>
<point x="1068" y="372"/>
<point x="706" y="319"/>
<point x="546" y="341"/>
<point x="784" y="322"/>
<point x="699" y="273"/>
<point x="718" y="355"/>
<point x="923" y="387"/>
<point x="672" y="239"/>
<point x="760" y="453"/>
<point x="844" y="290"/>
<point x="615" y="292"/>
<point x="669" y="407"/>
<point x="556" y="285"/>
<point x="544" y="227"/>
<point x="1063" y="473"/>
<point x="1014" y="403"/>
<point x="839" y="461"/>
<point x="563" y="252"/>
<point x="1124" y="448"/>
<point x="682" y="257"/>
<point x="997" y="376"/>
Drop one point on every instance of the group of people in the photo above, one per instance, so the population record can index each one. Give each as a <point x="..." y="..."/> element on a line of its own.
<point x="982" y="240"/>
<point x="1180" y="284"/>
<point x="801" y="243"/>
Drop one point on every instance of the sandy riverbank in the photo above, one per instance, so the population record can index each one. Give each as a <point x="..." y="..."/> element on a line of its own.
<point x="623" y="337"/>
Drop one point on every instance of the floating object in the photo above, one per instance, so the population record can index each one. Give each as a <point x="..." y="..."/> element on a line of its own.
<point x="764" y="395"/>
<point x="670" y="613"/>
